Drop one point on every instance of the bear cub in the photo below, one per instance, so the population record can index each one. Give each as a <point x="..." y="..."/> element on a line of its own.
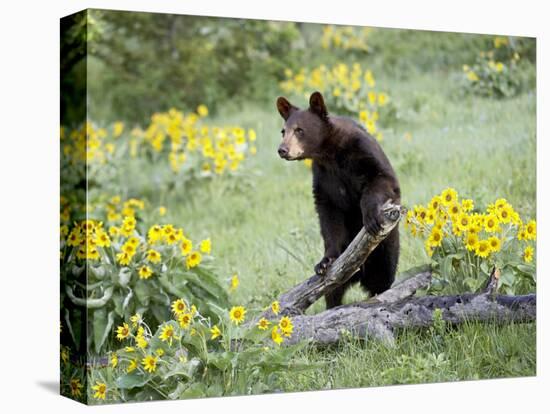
<point x="352" y="179"/>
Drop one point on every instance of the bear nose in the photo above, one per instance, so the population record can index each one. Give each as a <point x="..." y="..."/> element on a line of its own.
<point x="283" y="151"/>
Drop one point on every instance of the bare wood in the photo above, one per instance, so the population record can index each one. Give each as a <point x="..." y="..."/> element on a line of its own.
<point x="298" y="299"/>
<point x="380" y="320"/>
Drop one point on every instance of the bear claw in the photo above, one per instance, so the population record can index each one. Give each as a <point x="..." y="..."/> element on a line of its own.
<point x="322" y="267"/>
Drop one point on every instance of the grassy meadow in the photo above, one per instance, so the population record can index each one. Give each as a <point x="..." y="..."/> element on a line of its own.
<point x="267" y="231"/>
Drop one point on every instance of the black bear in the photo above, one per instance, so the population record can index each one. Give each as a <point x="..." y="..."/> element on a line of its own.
<point x="352" y="178"/>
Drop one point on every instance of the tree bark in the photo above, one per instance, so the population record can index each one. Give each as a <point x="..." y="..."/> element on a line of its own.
<point x="394" y="309"/>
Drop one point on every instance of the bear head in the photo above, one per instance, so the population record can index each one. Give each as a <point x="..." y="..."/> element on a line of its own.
<point x="304" y="130"/>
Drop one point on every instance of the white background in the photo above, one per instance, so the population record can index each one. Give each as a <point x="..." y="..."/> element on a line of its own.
<point x="29" y="122"/>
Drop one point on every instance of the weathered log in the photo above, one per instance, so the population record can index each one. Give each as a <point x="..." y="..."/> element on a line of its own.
<point x="380" y="317"/>
<point x="298" y="299"/>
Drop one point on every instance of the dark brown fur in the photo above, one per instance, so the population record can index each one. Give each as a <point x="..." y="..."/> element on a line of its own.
<point x="352" y="178"/>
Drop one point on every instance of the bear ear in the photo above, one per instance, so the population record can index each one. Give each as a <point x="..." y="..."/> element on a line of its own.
<point x="285" y="108"/>
<point x="317" y="105"/>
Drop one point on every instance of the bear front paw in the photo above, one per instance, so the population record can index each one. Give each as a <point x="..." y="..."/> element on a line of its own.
<point x="322" y="267"/>
<point x="372" y="225"/>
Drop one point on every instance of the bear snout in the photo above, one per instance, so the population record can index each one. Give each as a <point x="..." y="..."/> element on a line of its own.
<point x="283" y="152"/>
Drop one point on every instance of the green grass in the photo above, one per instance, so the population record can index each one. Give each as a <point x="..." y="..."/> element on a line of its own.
<point x="264" y="227"/>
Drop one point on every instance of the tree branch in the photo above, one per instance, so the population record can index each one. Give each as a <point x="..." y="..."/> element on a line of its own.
<point x="298" y="299"/>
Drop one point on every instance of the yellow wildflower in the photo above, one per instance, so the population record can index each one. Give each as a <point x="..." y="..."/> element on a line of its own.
<point x="236" y="314"/>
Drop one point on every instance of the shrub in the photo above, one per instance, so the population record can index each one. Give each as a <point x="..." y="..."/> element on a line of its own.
<point x="190" y="355"/>
<point x="124" y="267"/>
<point x="501" y="71"/>
<point x="465" y="244"/>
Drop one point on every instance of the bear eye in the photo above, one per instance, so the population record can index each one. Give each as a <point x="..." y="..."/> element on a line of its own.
<point x="299" y="131"/>
<point x="283" y="132"/>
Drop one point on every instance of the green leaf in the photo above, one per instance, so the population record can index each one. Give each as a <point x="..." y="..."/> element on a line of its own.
<point x="184" y="369"/>
<point x="195" y="390"/>
<point x="132" y="380"/>
<point x="143" y="292"/>
<point x="99" y="323"/>
<point x="221" y="361"/>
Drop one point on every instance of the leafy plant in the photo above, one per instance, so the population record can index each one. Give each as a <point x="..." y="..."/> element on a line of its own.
<point x="465" y="244"/>
<point x="117" y="271"/>
<point x="191" y="355"/>
<point x="499" y="72"/>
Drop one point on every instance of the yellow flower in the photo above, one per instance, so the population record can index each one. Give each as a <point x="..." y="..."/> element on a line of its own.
<point x="436" y="237"/>
<point x="286" y="326"/>
<point x="132" y="365"/>
<point x="263" y="324"/>
<point x="141" y="342"/>
<point x="167" y="334"/>
<point x="234" y="282"/>
<point x="100" y="389"/>
<point x="501" y="203"/>
<point x="114" y="360"/>
<point x="454" y="211"/>
<point x="483" y="248"/>
<point x="162" y="211"/>
<point x="179" y="307"/>
<point x="472" y="77"/>
<point x="467" y="204"/>
<point x="528" y="254"/>
<point x="276" y="335"/>
<point x="463" y="221"/>
<point x="420" y="213"/>
<point x="159" y="352"/>
<point x="136" y="320"/>
<point x="382" y="99"/>
<point x="102" y="239"/>
<point x="185" y="320"/>
<point x="122" y="331"/>
<point x="435" y="203"/>
<point x="193" y="259"/>
<point x="186" y="246"/>
<point x="153" y="256"/>
<point x="236" y="314"/>
<point x="154" y="234"/>
<point x="124" y="258"/>
<point x="118" y="127"/>
<point x="491" y="223"/>
<point x="145" y="272"/>
<point x="531" y="230"/>
<point x="65" y="354"/>
<point x="149" y="363"/>
<point x="275" y="307"/>
<point x="202" y="110"/>
<point x="471" y="241"/>
<point x="215" y="331"/>
<point x="76" y="387"/>
<point x="205" y="246"/>
<point x="504" y="214"/>
<point x="494" y="243"/>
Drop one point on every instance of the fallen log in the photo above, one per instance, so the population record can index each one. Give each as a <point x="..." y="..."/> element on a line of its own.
<point x="380" y="317"/>
<point x="397" y="308"/>
<point x="298" y="299"/>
